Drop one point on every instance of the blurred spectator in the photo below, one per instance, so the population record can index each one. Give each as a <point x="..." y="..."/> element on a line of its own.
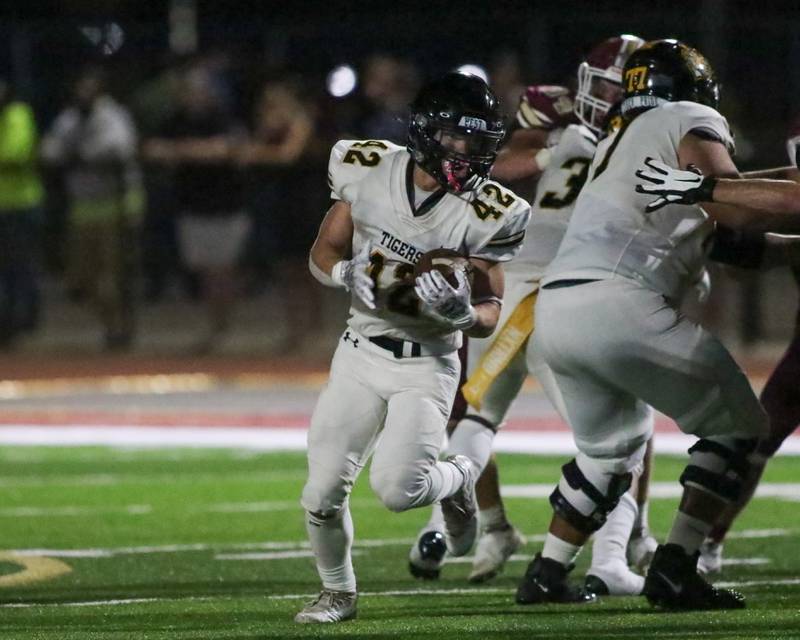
<point x="21" y="195"/>
<point x="388" y="88"/>
<point x="505" y="76"/>
<point x="198" y="143"/>
<point x="93" y="141"/>
<point x="285" y="219"/>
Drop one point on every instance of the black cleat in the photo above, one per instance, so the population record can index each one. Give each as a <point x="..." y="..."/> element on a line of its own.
<point x="545" y="580"/>
<point x="427" y="556"/>
<point x="595" y="585"/>
<point x="672" y="582"/>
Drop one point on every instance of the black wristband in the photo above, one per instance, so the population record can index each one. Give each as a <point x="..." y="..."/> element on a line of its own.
<point x="705" y="192"/>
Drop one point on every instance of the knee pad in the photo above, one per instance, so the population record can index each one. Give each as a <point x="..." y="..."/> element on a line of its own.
<point x="718" y="467"/>
<point x="585" y="502"/>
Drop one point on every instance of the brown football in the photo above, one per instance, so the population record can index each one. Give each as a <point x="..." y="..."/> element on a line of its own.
<point x="445" y="261"/>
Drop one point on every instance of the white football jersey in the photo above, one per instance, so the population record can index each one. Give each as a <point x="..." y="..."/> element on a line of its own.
<point x="556" y="193"/>
<point x="610" y="234"/>
<point x="375" y="178"/>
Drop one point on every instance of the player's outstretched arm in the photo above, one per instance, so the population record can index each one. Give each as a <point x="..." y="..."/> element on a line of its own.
<point x="526" y="155"/>
<point x="768" y="203"/>
<point x="753" y="205"/>
<point x="328" y="261"/>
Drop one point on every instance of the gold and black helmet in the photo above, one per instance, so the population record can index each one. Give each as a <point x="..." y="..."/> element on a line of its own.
<point x="667" y="71"/>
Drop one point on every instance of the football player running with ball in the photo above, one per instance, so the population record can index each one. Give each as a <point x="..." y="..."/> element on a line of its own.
<point x="499" y="365"/>
<point x="610" y="328"/>
<point x="395" y="372"/>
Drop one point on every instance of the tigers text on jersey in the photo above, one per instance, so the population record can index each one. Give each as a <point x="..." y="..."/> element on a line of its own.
<point x="610" y="235"/>
<point x="375" y="178"/>
<point x="556" y="193"/>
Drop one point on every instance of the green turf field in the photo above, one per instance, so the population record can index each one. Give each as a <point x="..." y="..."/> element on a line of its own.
<point x="187" y="543"/>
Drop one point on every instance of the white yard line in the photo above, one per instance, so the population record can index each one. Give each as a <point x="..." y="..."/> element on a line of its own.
<point x="288" y="439"/>
<point x="364" y="594"/>
<point x="112" y="479"/>
<point x="72" y="511"/>
<point x="274" y="555"/>
<point x="294" y="545"/>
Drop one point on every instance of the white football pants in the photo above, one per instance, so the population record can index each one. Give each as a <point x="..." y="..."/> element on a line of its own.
<point x="396" y="408"/>
<point x="616" y="347"/>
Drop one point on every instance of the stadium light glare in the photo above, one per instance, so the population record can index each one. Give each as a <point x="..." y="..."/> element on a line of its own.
<point x="341" y="80"/>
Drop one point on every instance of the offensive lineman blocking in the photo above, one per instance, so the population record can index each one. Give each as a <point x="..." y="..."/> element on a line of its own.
<point x="395" y="371"/>
<point x="499" y="365"/>
<point x="611" y="331"/>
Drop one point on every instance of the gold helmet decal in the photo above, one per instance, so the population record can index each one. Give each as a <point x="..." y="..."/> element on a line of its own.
<point x="635" y="78"/>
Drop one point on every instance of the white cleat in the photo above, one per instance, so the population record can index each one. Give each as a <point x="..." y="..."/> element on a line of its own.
<point x="640" y="552"/>
<point x="494" y="548"/>
<point x="710" y="560"/>
<point x="613" y="578"/>
<point x="460" y="510"/>
<point x="330" y="606"/>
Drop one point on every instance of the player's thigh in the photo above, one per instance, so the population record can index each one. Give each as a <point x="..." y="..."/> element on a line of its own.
<point x="683" y="371"/>
<point x="416" y="417"/>
<point x="539" y="369"/>
<point x="781" y="399"/>
<point x="344" y="429"/>
<point x="571" y="350"/>
<point x="607" y="423"/>
<point x="635" y="341"/>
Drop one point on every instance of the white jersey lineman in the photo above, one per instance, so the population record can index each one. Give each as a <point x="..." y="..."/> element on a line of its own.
<point x="556" y="193"/>
<point x="395" y="372"/>
<point x="608" y="322"/>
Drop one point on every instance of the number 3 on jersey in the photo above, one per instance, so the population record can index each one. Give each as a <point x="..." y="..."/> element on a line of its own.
<point x="578" y="169"/>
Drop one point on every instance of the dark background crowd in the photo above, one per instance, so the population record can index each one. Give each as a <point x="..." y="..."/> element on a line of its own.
<point x="163" y="164"/>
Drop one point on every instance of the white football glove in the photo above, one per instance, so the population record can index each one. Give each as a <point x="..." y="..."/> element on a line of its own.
<point x="674" y="186"/>
<point x="444" y="303"/>
<point x="793" y="148"/>
<point x="353" y="276"/>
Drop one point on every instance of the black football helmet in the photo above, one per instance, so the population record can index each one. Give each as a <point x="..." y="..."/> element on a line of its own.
<point x="667" y="71"/>
<point x="455" y="130"/>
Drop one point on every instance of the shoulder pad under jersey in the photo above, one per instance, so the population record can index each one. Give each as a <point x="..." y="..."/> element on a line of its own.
<point x="351" y="160"/>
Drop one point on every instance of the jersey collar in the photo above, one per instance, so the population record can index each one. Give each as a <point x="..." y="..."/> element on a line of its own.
<point x="429" y="202"/>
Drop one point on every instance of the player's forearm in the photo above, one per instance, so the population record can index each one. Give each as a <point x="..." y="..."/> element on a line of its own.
<point x="322" y="260"/>
<point x="516" y="164"/>
<point x="488" y="313"/>
<point x="780" y="197"/>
